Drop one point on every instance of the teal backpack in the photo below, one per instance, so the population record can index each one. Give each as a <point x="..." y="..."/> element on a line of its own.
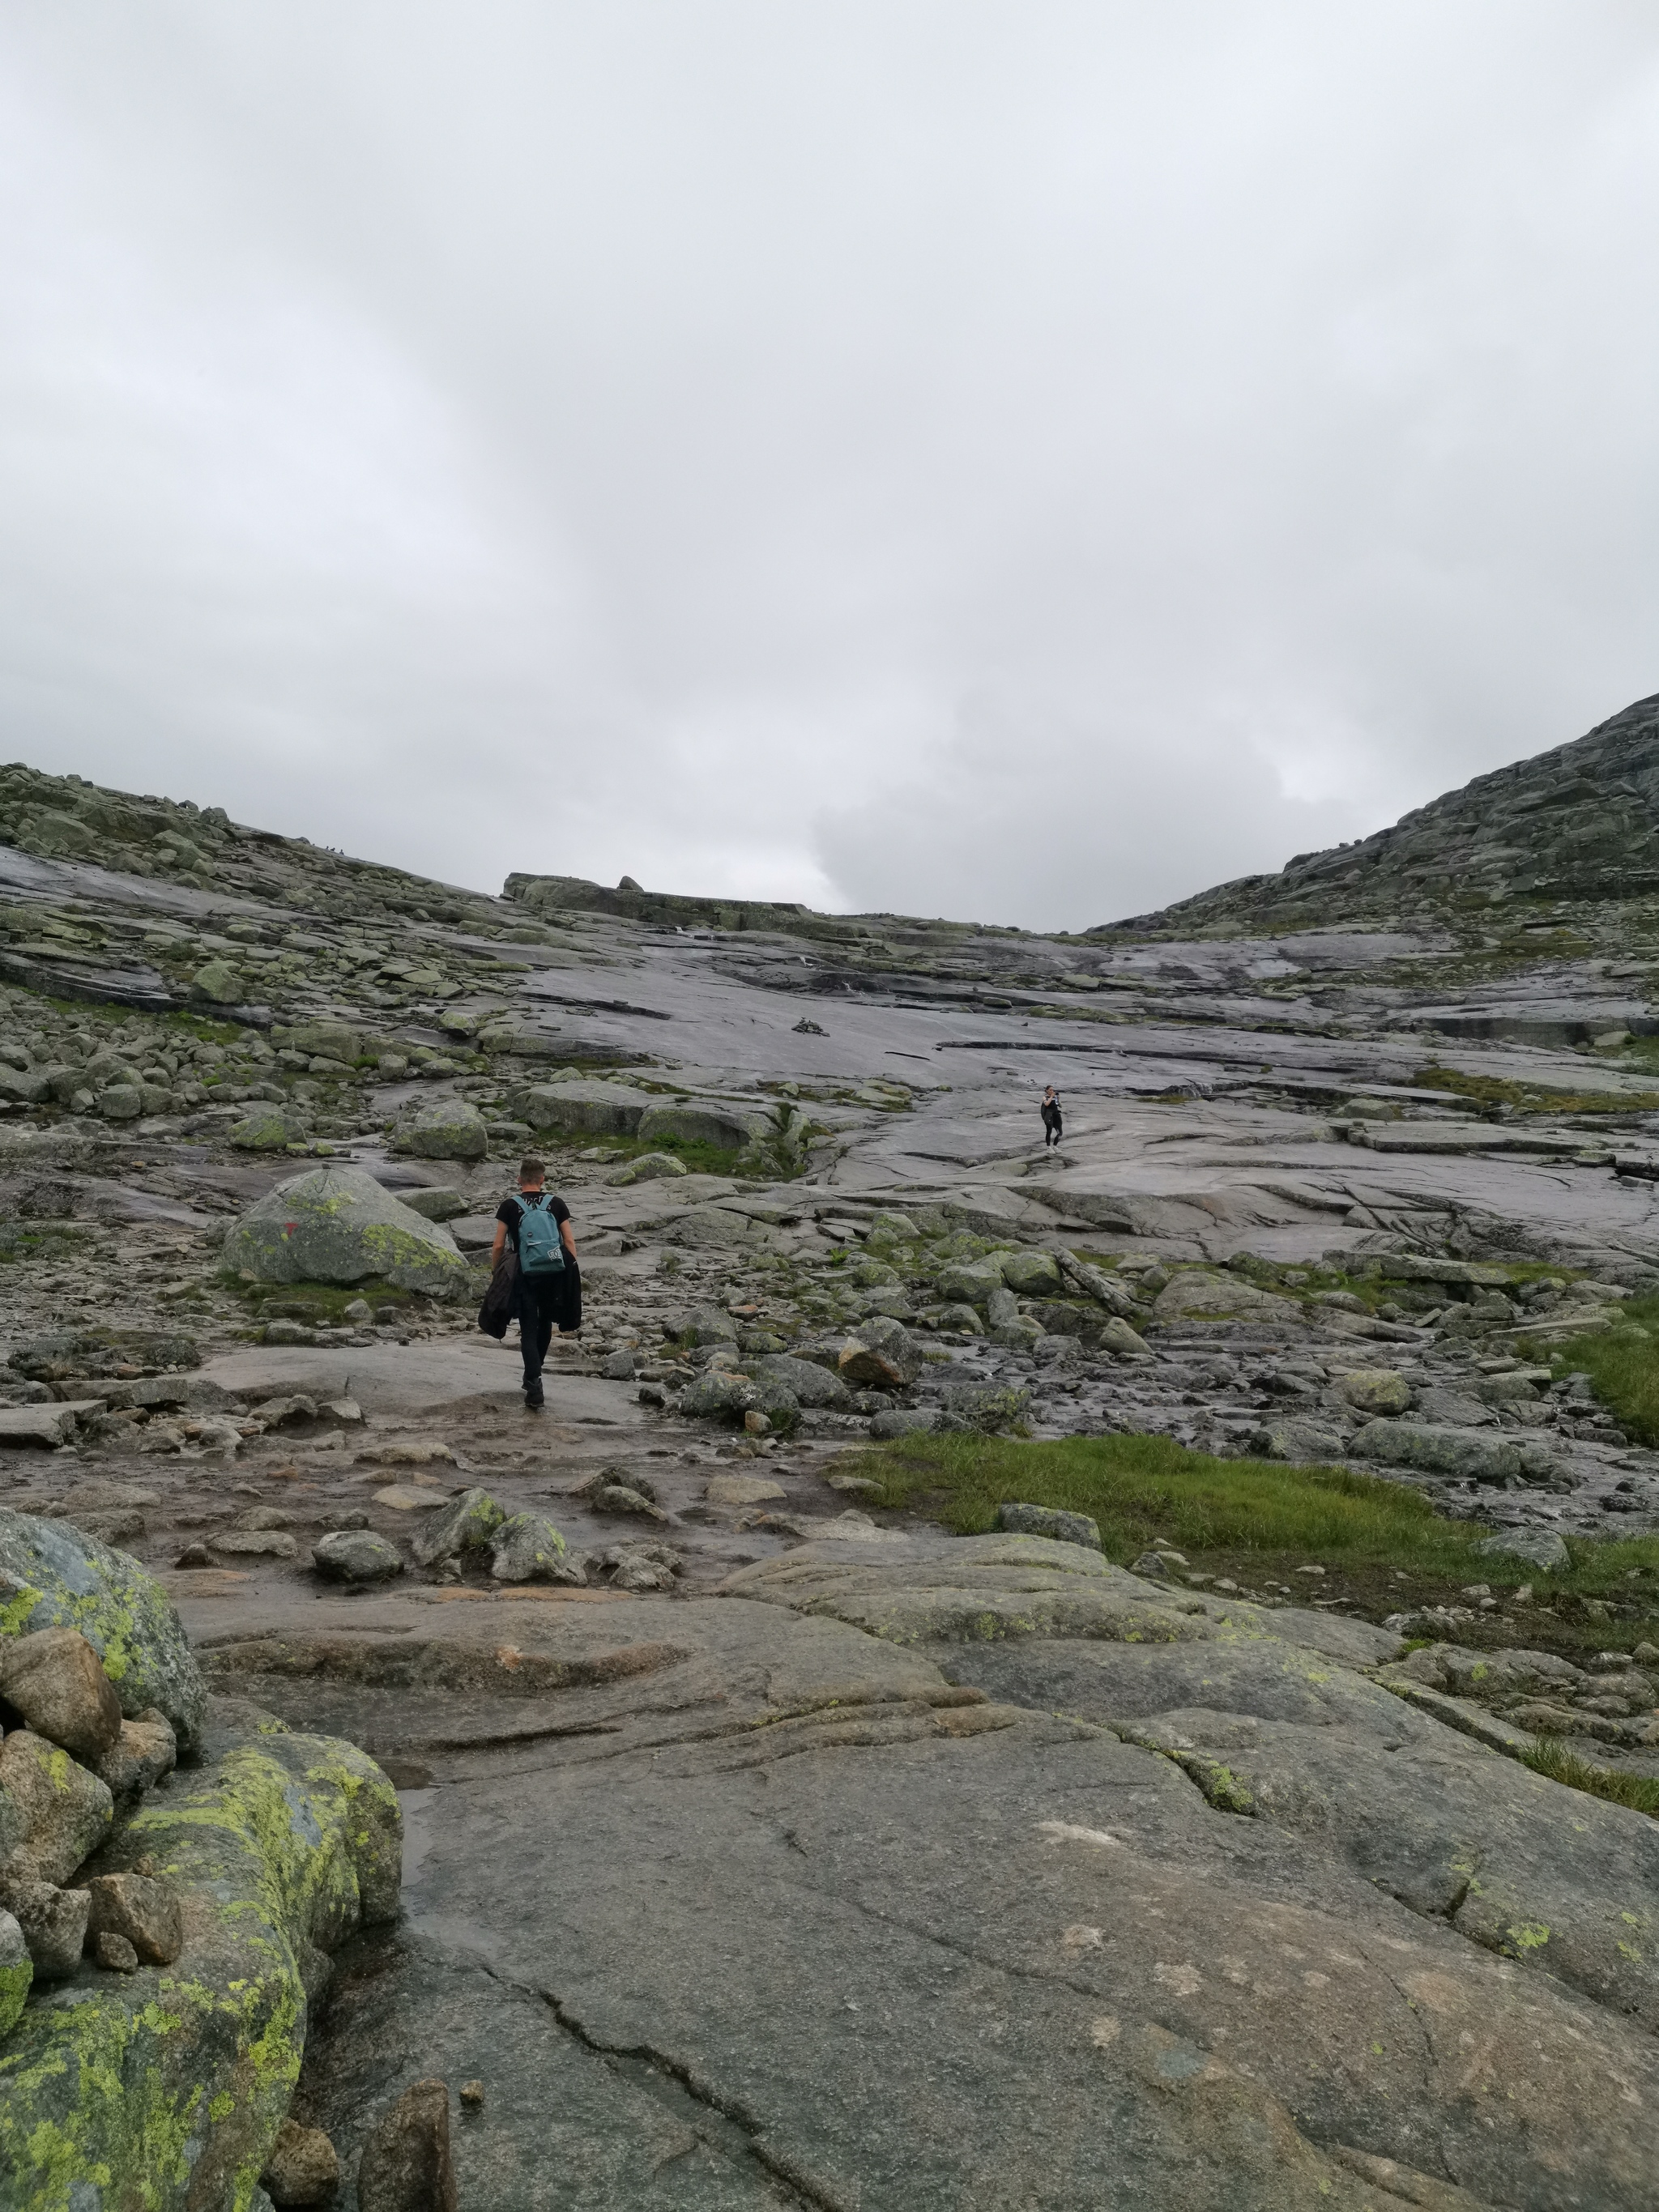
<point x="540" y="1250"/>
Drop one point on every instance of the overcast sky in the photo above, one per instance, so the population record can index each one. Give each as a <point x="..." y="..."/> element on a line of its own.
<point x="1020" y="462"/>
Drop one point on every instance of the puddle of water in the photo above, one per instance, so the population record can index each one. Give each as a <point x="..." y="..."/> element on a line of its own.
<point x="418" y="1806"/>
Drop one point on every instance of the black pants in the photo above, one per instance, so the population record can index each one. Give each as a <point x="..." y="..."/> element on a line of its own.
<point x="1051" y="1131"/>
<point x="542" y="1307"/>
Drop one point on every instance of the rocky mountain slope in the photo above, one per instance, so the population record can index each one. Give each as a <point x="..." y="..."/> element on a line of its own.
<point x="890" y="1865"/>
<point x="1570" y="835"/>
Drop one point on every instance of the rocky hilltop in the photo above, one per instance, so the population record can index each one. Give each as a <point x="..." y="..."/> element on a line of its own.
<point x="1575" y="827"/>
<point x="1122" y="1671"/>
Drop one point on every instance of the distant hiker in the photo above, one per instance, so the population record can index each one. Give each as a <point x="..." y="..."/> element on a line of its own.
<point x="550" y="1292"/>
<point x="1052" y="1132"/>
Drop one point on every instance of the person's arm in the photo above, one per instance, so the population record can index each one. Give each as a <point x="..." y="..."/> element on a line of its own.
<point x="566" y="1238"/>
<point x="496" y="1249"/>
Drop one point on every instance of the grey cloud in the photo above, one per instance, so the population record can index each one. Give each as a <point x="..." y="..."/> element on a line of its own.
<point x="1025" y="464"/>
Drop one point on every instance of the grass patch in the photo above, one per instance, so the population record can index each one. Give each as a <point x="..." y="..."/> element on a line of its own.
<point x="1137" y="1487"/>
<point x="320" y="1304"/>
<point x="1639" y="1791"/>
<point x="1383" y="1548"/>
<point x="1622" y="1363"/>
<point x="1534" y="1098"/>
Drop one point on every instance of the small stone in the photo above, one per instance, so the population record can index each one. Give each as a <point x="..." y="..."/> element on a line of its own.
<point x="1045" y="1521"/>
<point x="144" y="1910"/>
<point x="756" y="1423"/>
<point x="354" y="1555"/>
<point x="1377" y="1390"/>
<point x="194" y="1555"/>
<point x="406" y="2165"/>
<point x="145" y="1750"/>
<point x="742" y="1490"/>
<point x="56" y="1681"/>
<point x="619" y="1367"/>
<point x="360" y="1311"/>
<point x="302" y="2168"/>
<point x="114" y="1952"/>
<point x="1153" y="1566"/>
<point x="472" y="2093"/>
<point x="254" y="1544"/>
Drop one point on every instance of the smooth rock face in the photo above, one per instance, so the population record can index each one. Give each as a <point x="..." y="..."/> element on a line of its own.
<point x="57" y="1682"/>
<point x="730" y="1128"/>
<point x="581" y="1108"/>
<point x="356" y="1555"/>
<point x="336" y="1224"/>
<point x="406" y="2165"/>
<point x="741" y="1490"/>
<point x="66" y="1811"/>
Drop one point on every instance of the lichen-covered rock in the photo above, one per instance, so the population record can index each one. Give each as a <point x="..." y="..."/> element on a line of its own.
<point x="1375" y="1390"/>
<point x="443" y="1129"/>
<point x="582" y="1108"/>
<point x="54" y="1575"/>
<point x="650" y="1167"/>
<point x="336" y="1224"/>
<point x="56" y="1680"/>
<point x="163" y="2089"/>
<point x="53" y="1921"/>
<point x="1047" y="1521"/>
<point x="356" y="1555"/>
<point x="303" y="2167"/>
<point x="883" y="1356"/>
<point x="807" y="1382"/>
<point x="712" y="1121"/>
<point x="1033" y="1274"/>
<point x="66" y="1811"/>
<point x="1467" y="1454"/>
<point x="269" y="1129"/>
<point x="17" y="1970"/>
<point x="467" y="1520"/>
<point x="527" y="1548"/>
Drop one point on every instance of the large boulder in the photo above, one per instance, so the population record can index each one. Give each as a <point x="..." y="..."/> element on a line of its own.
<point x="269" y="1129"/>
<point x="589" y="1109"/>
<point x="56" y="1681"/>
<point x="810" y="1384"/>
<point x="336" y="1224"/>
<point x="969" y="1282"/>
<point x="1464" y="1454"/>
<point x="882" y="1356"/>
<point x="52" y="1576"/>
<point x="166" y="2087"/>
<point x="711" y="1122"/>
<point x="1196" y="1294"/>
<point x="443" y="1129"/>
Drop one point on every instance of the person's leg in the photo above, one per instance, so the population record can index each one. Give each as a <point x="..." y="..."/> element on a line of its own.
<point x="532" y="1340"/>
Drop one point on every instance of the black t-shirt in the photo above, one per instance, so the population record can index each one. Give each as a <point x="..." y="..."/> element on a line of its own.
<point x="511" y="1212"/>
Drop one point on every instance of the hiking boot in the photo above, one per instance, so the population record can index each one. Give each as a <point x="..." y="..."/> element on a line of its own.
<point x="534" y="1399"/>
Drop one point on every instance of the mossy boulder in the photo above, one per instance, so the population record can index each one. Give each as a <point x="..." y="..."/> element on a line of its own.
<point x="218" y="984"/>
<point x="269" y="1129"/>
<point x="443" y="1129"/>
<point x="164" y="2089"/>
<point x="588" y="1109"/>
<point x="336" y="1224"/>
<point x="710" y="1121"/>
<point x="52" y="1576"/>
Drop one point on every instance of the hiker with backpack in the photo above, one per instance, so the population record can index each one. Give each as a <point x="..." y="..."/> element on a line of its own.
<point x="549" y="1283"/>
<point x="1052" y="1129"/>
